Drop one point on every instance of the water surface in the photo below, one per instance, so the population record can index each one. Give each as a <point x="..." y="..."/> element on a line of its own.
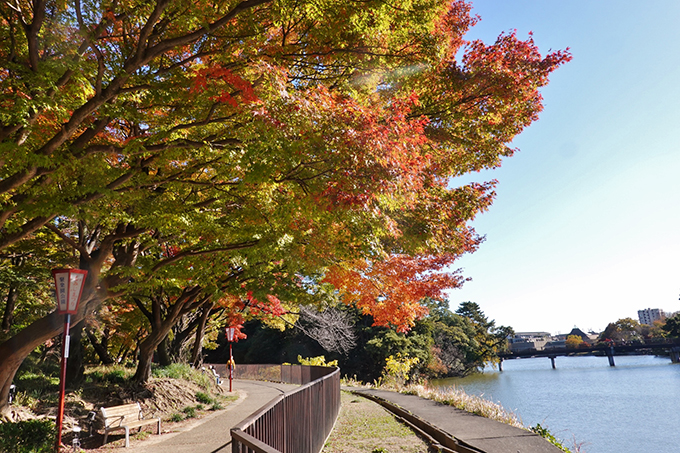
<point x="632" y="407"/>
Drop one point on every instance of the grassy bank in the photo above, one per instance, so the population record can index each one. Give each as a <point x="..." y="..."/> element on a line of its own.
<point x="366" y="427"/>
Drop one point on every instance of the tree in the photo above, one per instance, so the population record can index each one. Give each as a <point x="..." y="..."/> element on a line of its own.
<point x="672" y="326"/>
<point x="287" y="135"/>
<point x="573" y="341"/>
<point x="625" y="329"/>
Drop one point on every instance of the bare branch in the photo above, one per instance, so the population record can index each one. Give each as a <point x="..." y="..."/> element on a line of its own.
<point x="331" y="328"/>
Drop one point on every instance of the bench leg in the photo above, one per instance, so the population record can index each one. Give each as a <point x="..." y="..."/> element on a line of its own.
<point x="106" y="435"/>
<point x="127" y="437"/>
<point x="159" y="426"/>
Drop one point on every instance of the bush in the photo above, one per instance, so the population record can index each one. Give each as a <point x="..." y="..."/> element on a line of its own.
<point x="190" y="411"/>
<point x="204" y="398"/>
<point x="547" y="435"/>
<point x="316" y="361"/>
<point x="216" y="406"/>
<point x="182" y="371"/>
<point x="30" y="436"/>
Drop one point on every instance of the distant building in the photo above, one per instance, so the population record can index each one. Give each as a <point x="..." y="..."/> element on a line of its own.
<point x="584" y="336"/>
<point x="523" y="341"/>
<point x="649" y="315"/>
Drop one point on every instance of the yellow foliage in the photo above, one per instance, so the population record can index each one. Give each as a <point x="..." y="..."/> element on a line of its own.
<point x="399" y="367"/>
<point x="316" y="361"/>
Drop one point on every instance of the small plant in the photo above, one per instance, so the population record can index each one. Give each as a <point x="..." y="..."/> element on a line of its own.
<point x="204" y="398"/>
<point x="27" y="399"/>
<point x="216" y="406"/>
<point x="94" y="376"/>
<point x="176" y="417"/>
<point x="30" y="436"/>
<point x="190" y="411"/>
<point x="547" y="435"/>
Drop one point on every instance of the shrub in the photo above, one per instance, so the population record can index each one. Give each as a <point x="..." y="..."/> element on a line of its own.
<point x="190" y="411"/>
<point x="204" y="398"/>
<point x="182" y="371"/>
<point x="397" y="369"/>
<point x="30" y="436"/>
<point x="547" y="435"/>
<point x="216" y="406"/>
<point x="316" y="361"/>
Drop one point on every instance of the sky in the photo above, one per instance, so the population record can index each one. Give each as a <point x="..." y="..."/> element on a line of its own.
<point x="585" y="228"/>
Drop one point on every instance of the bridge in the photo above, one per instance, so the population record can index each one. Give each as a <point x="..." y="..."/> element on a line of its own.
<point x="608" y="350"/>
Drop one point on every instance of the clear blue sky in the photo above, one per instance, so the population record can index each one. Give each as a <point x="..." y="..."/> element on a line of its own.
<point x="585" y="228"/>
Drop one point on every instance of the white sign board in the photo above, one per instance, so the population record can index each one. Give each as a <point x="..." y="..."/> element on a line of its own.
<point x="69" y="287"/>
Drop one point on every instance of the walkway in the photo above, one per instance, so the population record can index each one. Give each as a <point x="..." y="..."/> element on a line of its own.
<point x="481" y="433"/>
<point x="211" y="434"/>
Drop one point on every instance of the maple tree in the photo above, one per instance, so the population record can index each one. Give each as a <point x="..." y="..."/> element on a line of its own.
<point x="273" y="140"/>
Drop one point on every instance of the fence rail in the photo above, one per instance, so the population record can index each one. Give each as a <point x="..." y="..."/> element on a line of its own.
<point x="298" y="421"/>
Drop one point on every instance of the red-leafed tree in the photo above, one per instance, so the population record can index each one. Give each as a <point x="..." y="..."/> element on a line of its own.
<point x="255" y="143"/>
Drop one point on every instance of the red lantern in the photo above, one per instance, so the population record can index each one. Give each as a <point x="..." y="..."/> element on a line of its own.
<point x="68" y="285"/>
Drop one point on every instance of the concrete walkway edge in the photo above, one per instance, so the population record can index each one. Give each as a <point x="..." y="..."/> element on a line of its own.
<point x="440" y="440"/>
<point x="458" y="430"/>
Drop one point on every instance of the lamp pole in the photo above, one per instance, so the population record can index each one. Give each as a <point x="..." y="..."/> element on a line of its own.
<point x="230" y="337"/>
<point x="69" y="287"/>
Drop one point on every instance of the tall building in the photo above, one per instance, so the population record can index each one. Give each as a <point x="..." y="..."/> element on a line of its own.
<point x="649" y="315"/>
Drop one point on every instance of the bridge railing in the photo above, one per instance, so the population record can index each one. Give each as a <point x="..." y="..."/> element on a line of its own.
<point x="297" y="421"/>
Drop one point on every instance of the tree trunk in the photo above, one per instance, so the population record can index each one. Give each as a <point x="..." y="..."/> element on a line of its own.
<point x="8" y="317"/>
<point x="197" y="353"/>
<point x="16" y="349"/>
<point x="161" y="327"/>
<point x="75" y="370"/>
<point x="100" y="347"/>
<point x="143" y="372"/>
<point x="146" y="350"/>
<point x="164" y="358"/>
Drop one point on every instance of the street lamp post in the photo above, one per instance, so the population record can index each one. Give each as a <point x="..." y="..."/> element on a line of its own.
<point x="231" y="331"/>
<point x="69" y="287"/>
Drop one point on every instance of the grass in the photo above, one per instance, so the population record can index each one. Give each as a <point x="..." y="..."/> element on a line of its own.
<point x="183" y="371"/>
<point x="111" y="374"/>
<point x="365" y="427"/>
<point x="470" y="403"/>
<point x="204" y="398"/>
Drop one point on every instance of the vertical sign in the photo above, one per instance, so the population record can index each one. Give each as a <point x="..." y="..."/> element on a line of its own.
<point x="68" y="287"/>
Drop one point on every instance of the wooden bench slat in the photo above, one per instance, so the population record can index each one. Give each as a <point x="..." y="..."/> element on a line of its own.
<point x="125" y="417"/>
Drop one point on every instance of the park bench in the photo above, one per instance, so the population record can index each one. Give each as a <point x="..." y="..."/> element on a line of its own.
<point x="126" y="416"/>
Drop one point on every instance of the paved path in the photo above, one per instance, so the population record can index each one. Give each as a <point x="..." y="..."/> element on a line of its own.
<point x="482" y="433"/>
<point x="211" y="434"/>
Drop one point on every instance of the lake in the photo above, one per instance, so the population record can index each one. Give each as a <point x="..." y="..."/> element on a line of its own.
<point x="632" y="407"/>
